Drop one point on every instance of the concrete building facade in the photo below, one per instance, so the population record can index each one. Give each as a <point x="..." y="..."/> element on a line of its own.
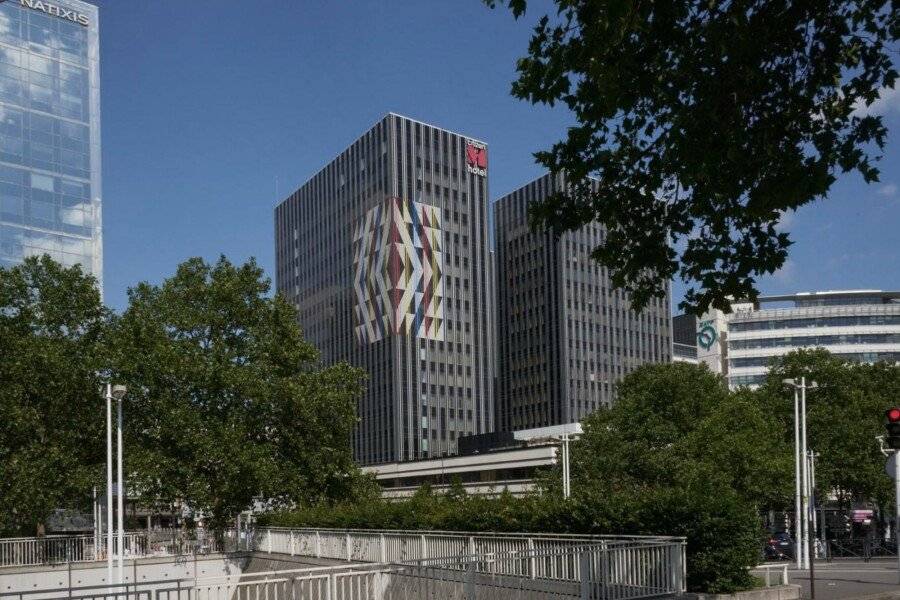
<point x="565" y="334"/>
<point x="385" y="254"/>
<point x="857" y="325"/>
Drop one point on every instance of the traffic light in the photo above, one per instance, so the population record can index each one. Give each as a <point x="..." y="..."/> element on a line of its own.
<point x="892" y="425"/>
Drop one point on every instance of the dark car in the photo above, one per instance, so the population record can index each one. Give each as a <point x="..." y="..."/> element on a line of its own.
<point x="779" y="546"/>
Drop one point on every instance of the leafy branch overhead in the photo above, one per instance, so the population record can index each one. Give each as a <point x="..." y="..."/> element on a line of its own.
<point x="705" y="122"/>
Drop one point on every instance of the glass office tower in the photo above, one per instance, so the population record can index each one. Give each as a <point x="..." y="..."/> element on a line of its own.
<point x="50" y="196"/>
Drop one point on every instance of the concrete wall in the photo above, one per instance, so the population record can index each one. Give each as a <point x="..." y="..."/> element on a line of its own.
<point x="142" y="570"/>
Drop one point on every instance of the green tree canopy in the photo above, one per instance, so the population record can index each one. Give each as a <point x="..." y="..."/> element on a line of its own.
<point x="226" y="400"/>
<point x="677" y="423"/>
<point x="52" y="433"/>
<point x="679" y="454"/>
<point x="844" y="415"/>
<point x="703" y="122"/>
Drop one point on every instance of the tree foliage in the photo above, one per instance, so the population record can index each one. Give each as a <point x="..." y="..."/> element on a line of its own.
<point x="52" y="434"/>
<point x="685" y="456"/>
<point x="845" y="413"/>
<point x="677" y="455"/>
<point x="703" y="123"/>
<point x="226" y="400"/>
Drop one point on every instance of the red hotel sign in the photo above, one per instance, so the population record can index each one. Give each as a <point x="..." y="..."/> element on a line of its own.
<point x="476" y="157"/>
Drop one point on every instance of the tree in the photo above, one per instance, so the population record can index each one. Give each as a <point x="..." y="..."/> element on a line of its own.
<point x="679" y="454"/>
<point x="703" y="122"/>
<point x="673" y="423"/>
<point x="844" y="415"/>
<point x="52" y="433"/>
<point x="226" y="400"/>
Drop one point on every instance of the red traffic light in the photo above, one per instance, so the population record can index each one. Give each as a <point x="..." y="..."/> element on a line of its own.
<point x="893" y="415"/>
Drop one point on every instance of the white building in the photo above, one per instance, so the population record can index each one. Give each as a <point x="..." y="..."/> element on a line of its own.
<point x="859" y="325"/>
<point x="511" y="468"/>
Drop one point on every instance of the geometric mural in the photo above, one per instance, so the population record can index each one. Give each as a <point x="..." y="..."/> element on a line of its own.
<point x="398" y="272"/>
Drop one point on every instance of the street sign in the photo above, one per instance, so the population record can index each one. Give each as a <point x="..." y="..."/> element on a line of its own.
<point x="862" y="515"/>
<point x="889" y="467"/>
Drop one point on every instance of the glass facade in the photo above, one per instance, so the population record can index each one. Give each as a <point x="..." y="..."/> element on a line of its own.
<point x="855" y="325"/>
<point x="866" y="357"/>
<point x="50" y="193"/>
<point x="809" y="322"/>
<point x="817" y="340"/>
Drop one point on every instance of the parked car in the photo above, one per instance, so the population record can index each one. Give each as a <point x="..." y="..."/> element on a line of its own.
<point x="780" y="546"/>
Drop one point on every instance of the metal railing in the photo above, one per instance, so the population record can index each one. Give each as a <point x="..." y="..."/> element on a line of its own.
<point x="408" y="564"/>
<point x="773" y="575"/>
<point x="633" y="562"/>
<point x="50" y="550"/>
<point x="601" y="570"/>
<point x="373" y="545"/>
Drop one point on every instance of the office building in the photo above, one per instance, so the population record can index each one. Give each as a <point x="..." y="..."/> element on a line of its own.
<point x="684" y="339"/>
<point x="857" y="325"/>
<point x="50" y="194"/>
<point x="385" y="254"/>
<point x="512" y="467"/>
<point x="565" y="334"/>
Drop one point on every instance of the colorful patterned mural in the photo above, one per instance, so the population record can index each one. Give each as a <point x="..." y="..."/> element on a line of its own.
<point x="398" y="270"/>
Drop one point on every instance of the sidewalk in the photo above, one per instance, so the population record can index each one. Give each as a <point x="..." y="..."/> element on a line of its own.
<point x="851" y="578"/>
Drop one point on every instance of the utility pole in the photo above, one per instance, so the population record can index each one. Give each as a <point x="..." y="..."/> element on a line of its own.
<point x="798" y="509"/>
<point x="892" y="425"/>
<point x="897" y="508"/>
<point x="811" y="538"/>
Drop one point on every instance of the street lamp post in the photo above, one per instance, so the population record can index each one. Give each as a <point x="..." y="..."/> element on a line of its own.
<point x="109" y="483"/>
<point x="805" y="488"/>
<point x="798" y="519"/>
<point x="804" y="532"/>
<point x="117" y="392"/>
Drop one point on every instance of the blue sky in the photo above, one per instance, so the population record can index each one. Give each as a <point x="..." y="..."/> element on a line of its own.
<point x="211" y="106"/>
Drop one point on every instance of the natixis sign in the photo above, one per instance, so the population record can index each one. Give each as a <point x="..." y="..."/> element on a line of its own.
<point x="55" y="10"/>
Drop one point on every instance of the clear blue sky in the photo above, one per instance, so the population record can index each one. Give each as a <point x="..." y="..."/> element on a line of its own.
<point x="206" y="104"/>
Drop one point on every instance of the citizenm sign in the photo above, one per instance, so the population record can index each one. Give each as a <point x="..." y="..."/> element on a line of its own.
<point x="55" y="10"/>
<point x="476" y="158"/>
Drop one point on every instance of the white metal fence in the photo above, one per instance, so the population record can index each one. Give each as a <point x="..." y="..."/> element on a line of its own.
<point x="599" y="571"/>
<point x="619" y="567"/>
<point x="400" y="546"/>
<point x="388" y="565"/>
<point x="31" y="551"/>
<point x="63" y="549"/>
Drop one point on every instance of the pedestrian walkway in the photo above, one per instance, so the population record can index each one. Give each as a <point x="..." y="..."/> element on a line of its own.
<point x="850" y="578"/>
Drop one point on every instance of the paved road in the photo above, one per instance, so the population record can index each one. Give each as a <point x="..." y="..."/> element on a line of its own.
<point x="850" y="578"/>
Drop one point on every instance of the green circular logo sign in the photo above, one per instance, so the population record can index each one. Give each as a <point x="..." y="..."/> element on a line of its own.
<point x="707" y="336"/>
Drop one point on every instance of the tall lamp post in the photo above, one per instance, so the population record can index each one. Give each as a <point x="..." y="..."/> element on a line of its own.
<point x="802" y="543"/>
<point x="117" y="392"/>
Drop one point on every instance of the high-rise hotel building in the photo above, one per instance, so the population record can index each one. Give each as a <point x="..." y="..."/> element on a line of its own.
<point x="565" y="334"/>
<point x="385" y="254"/>
<point x="50" y="195"/>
